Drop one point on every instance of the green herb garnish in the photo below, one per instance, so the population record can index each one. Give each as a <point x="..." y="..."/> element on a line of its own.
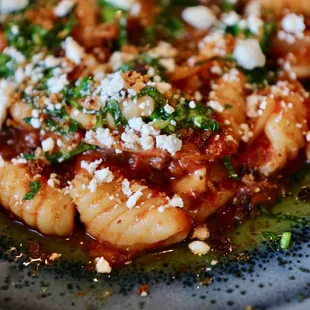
<point x="28" y="156"/>
<point x="285" y="240"/>
<point x="34" y="187"/>
<point x="60" y="157"/>
<point x="269" y="29"/>
<point x="232" y="174"/>
<point x="7" y="66"/>
<point x="227" y="6"/>
<point x="260" y="76"/>
<point x="30" y="38"/>
<point x="270" y="235"/>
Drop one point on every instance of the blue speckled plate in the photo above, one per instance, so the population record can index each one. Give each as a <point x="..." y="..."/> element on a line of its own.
<point x="257" y="274"/>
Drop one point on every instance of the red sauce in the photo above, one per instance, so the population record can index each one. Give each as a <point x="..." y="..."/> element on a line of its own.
<point x="157" y="172"/>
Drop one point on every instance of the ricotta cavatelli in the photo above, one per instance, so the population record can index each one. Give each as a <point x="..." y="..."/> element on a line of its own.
<point x="128" y="214"/>
<point x="33" y="201"/>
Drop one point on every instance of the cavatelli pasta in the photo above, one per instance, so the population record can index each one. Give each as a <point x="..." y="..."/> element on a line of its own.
<point x="283" y="122"/>
<point x="297" y="6"/>
<point x="107" y="215"/>
<point x="50" y="211"/>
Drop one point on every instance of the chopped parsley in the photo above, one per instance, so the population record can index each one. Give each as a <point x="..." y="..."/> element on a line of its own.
<point x="31" y="38"/>
<point x="34" y="187"/>
<point x="227" y="106"/>
<point x="232" y="174"/>
<point x="28" y="156"/>
<point x="82" y="88"/>
<point x="260" y="76"/>
<point x="60" y="157"/>
<point x="7" y="66"/>
<point x="270" y="235"/>
<point x="108" y="11"/>
<point x="113" y="109"/>
<point x="285" y="240"/>
<point x="269" y="29"/>
<point x="183" y="116"/>
<point x="227" y="5"/>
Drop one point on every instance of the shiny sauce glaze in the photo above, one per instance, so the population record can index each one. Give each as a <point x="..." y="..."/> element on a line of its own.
<point x="158" y="173"/>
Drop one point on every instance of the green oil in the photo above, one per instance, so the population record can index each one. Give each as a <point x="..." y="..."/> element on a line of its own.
<point x="245" y="237"/>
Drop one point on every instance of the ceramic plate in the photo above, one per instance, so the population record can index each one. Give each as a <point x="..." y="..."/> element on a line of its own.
<point x="257" y="274"/>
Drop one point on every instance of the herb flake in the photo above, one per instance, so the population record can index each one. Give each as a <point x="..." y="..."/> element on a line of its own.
<point x="34" y="187"/>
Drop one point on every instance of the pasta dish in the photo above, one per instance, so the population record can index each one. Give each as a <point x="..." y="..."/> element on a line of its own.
<point x="139" y="120"/>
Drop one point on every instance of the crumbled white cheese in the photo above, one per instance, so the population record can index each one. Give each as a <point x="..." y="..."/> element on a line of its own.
<point x="230" y="19"/>
<point x="51" y="61"/>
<point x="163" y="50"/>
<point x="199" y="17"/>
<point x="92" y="186"/>
<point x="253" y="8"/>
<point x="111" y="86"/>
<point x="90" y="167"/>
<point x="35" y="123"/>
<point x="216" y="106"/>
<point x="147" y="142"/>
<point x="64" y="8"/>
<point x="248" y="54"/>
<point x="48" y="145"/>
<point x="216" y="70"/>
<point x="192" y="104"/>
<point x="176" y="201"/>
<point x="101" y="136"/>
<point x="252" y="105"/>
<point x="148" y="129"/>
<point x="163" y="87"/>
<point x="104" y="176"/>
<point x="255" y="24"/>
<point x="213" y="44"/>
<point x="133" y="199"/>
<point x="6" y="91"/>
<point x="52" y="181"/>
<point x="199" y="247"/>
<point x="100" y="176"/>
<point x="19" y="161"/>
<point x="9" y="6"/>
<point x="168" y="64"/>
<point x="170" y="143"/>
<point x="293" y="23"/>
<point x="102" y="265"/>
<point x="126" y="187"/>
<point x="169" y="109"/>
<point x="56" y="84"/>
<point x="130" y="139"/>
<point x="136" y="123"/>
<point x="74" y="51"/>
<point x="245" y="132"/>
<point x="122" y="4"/>
<point x="201" y="232"/>
<point x="308" y="136"/>
<point x="14" y="54"/>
